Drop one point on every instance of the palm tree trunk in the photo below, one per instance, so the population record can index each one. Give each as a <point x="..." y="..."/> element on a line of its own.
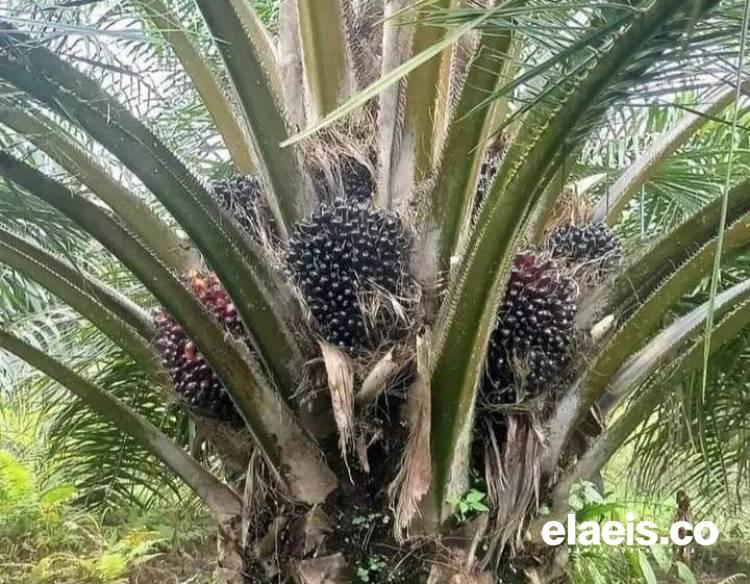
<point x="230" y="557"/>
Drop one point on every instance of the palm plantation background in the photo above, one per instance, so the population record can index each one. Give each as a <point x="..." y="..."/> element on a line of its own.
<point x="370" y="289"/>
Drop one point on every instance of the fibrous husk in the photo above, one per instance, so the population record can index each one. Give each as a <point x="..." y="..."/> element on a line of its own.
<point x="388" y="316"/>
<point x="350" y="141"/>
<point x="415" y="475"/>
<point x="572" y="205"/>
<point x="364" y="31"/>
<point x="261" y="494"/>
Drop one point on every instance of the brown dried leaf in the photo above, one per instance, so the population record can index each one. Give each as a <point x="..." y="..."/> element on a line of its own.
<point x="340" y="371"/>
<point x="261" y="489"/>
<point x="415" y="476"/>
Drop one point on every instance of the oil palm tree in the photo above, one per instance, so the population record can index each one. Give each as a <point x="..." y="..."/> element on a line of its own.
<point x="370" y="269"/>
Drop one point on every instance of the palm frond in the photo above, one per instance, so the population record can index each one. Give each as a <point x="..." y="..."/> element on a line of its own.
<point x="325" y="54"/>
<point x="254" y="289"/>
<point x="453" y="198"/>
<point x="652" y="265"/>
<point x="205" y="81"/>
<point x="636" y="175"/>
<point x="421" y="128"/>
<point x="735" y="309"/>
<point x="273" y="426"/>
<point x="700" y="439"/>
<point x="109" y="468"/>
<point x="252" y="67"/>
<point x="130" y="207"/>
<point x="124" y="322"/>
<point x="470" y="309"/>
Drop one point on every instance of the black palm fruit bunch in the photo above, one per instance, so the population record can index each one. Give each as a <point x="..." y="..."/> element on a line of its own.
<point x="588" y="242"/>
<point x="357" y="180"/>
<point x="240" y="195"/>
<point x="193" y="380"/>
<point x="343" y="249"/>
<point x="534" y="331"/>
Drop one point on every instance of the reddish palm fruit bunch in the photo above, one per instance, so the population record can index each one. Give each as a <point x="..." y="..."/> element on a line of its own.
<point x="534" y="331"/>
<point x="194" y="381"/>
<point x="342" y="249"/>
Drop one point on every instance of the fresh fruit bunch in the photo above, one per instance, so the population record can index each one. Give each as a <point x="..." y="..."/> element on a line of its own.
<point x="240" y="195"/>
<point x="586" y="242"/>
<point x="343" y="249"/>
<point x="534" y="331"/>
<point x="356" y="180"/>
<point x="194" y="381"/>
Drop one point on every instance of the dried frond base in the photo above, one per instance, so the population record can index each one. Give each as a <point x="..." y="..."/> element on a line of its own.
<point x="508" y="455"/>
<point x="412" y="483"/>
